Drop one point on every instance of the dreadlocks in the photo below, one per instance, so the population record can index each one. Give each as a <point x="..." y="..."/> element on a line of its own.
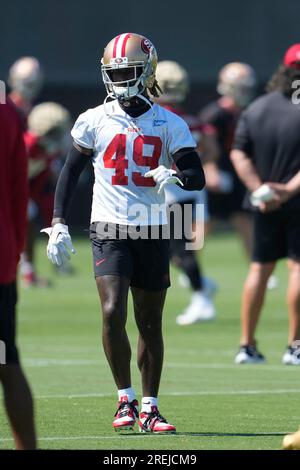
<point x="283" y="79"/>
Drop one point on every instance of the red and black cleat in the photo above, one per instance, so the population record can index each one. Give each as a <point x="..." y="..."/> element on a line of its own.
<point x="126" y="415"/>
<point x="154" y="422"/>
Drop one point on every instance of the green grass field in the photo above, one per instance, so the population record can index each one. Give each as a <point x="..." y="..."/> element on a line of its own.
<point x="214" y="403"/>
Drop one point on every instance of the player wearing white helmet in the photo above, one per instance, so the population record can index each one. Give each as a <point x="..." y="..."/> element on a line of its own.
<point x="174" y="83"/>
<point x="131" y="143"/>
<point x="25" y="80"/>
<point x="237" y="81"/>
<point x="236" y="85"/>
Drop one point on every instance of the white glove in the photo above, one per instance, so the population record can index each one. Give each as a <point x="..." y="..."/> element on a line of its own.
<point x="263" y="194"/>
<point x="163" y="176"/>
<point x="59" y="243"/>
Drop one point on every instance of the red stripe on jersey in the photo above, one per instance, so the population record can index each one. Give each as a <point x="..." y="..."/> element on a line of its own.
<point x="115" y="46"/>
<point x="124" y="44"/>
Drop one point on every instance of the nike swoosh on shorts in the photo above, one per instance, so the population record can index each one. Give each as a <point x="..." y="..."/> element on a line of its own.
<point x="99" y="261"/>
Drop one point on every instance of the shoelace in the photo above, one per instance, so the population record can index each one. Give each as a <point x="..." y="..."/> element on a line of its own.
<point x="296" y="352"/>
<point x="254" y="352"/>
<point x="152" y="419"/>
<point x="123" y="409"/>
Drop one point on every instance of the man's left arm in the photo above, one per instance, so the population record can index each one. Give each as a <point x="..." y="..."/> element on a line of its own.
<point x="190" y="170"/>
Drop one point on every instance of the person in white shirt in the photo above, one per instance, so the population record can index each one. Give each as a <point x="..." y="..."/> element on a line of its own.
<point x="132" y="144"/>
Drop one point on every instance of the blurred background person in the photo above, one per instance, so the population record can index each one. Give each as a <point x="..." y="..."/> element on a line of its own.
<point x="174" y="83"/>
<point x="13" y="205"/>
<point x="26" y="80"/>
<point x="267" y="150"/>
<point x="236" y="85"/>
<point x="47" y="140"/>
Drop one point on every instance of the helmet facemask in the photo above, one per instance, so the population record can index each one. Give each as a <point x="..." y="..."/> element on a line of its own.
<point x="124" y="81"/>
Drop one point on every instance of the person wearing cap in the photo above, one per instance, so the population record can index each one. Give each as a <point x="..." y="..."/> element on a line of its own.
<point x="266" y="157"/>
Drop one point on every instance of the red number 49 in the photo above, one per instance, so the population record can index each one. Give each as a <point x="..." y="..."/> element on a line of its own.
<point x="117" y="148"/>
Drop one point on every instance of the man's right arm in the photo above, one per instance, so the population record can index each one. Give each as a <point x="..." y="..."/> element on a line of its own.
<point x="245" y="169"/>
<point x="75" y="163"/>
<point x="241" y="155"/>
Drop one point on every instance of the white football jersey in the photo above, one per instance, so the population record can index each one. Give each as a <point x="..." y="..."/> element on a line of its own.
<point x="125" y="148"/>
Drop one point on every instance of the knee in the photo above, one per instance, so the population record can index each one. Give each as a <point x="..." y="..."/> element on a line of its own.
<point x="114" y="317"/>
<point x="151" y="328"/>
<point x="259" y="273"/>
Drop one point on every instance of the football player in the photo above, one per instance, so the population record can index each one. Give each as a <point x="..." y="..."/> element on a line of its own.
<point x="48" y="132"/>
<point x="132" y="144"/>
<point x="174" y="83"/>
<point x="25" y="80"/>
<point x="236" y="85"/>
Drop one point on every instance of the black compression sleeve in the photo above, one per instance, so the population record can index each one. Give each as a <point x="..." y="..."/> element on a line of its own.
<point x="67" y="181"/>
<point x="190" y="169"/>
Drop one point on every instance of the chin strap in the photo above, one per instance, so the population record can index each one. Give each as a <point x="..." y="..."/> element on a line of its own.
<point x="142" y="97"/>
<point x="112" y="96"/>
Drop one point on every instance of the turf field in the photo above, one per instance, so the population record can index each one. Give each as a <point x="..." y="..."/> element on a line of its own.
<point x="214" y="403"/>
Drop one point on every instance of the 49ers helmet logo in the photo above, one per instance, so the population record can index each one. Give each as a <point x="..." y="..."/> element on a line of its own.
<point x="146" y="45"/>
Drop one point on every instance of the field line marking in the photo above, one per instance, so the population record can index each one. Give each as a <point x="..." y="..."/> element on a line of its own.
<point x="79" y="362"/>
<point x="183" y="393"/>
<point x="134" y="436"/>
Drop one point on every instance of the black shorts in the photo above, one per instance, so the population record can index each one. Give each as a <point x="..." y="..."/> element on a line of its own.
<point x="8" y="301"/>
<point x="144" y="261"/>
<point x="224" y="205"/>
<point x="276" y="236"/>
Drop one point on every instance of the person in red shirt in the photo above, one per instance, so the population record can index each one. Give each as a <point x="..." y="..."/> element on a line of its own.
<point x="13" y="207"/>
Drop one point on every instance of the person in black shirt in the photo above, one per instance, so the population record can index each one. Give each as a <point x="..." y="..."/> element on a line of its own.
<point x="266" y="156"/>
<point x="237" y="82"/>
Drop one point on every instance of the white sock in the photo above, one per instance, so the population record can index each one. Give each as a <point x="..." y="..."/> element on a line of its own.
<point x="148" y="402"/>
<point x="129" y="392"/>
